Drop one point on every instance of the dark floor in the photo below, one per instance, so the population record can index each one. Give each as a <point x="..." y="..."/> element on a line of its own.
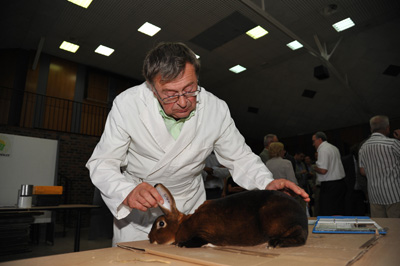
<point x="61" y="245"/>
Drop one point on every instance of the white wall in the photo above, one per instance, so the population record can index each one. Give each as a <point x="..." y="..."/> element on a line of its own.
<point x="25" y="160"/>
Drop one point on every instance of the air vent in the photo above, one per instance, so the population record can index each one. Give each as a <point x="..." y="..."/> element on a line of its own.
<point x="392" y="70"/>
<point x="309" y="94"/>
<point x="253" y="110"/>
<point x="321" y="72"/>
<point x="329" y="10"/>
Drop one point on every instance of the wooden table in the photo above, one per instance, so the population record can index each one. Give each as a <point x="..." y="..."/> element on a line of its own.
<point x="78" y="207"/>
<point x="385" y="251"/>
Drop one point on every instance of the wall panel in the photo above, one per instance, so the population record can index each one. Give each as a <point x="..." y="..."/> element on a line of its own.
<point x="62" y="78"/>
<point x="97" y="87"/>
<point x="60" y="84"/>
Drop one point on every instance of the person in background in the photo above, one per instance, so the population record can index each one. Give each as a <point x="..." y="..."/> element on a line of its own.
<point x="281" y="168"/>
<point x="289" y="157"/>
<point x="380" y="162"/>
<point x="311" y="175"/>
<point x="301" y="171"/>
<point x="316" y="189"/>
<point x="214" y="176"/>
<point x="312" y="185"/>
<point x="330" y="173"/>
<point x="231" y="187"/>
<point x="355" y="197"/>
<point x="268" y="139"/>
<point x="162" y="131"/>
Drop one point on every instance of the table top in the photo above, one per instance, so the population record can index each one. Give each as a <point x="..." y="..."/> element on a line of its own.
<point x="385" y="251"/>
<point x="114" y="256"/>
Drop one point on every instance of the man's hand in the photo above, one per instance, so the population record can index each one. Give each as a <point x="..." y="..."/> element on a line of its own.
<point x="142" y="197"/>
<point x="288" y="187"/>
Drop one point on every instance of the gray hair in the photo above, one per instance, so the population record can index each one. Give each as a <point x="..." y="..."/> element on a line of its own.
<point x="378" y="123"/>
<point x="169" y="60"/>
<point x="268" y="139"/>
<point x="321" y="135"/>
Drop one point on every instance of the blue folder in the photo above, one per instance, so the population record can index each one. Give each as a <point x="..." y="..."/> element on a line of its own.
<point x="347" y="225"/>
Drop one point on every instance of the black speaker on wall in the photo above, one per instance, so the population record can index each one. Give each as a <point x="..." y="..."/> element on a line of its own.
<point x="321" y="72"/>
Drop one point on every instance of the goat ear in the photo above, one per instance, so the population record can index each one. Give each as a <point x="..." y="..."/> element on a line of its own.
<point x="169" y="206"/>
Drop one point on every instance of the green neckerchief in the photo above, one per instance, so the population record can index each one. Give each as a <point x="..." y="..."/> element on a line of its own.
<point x="174" y="127"/>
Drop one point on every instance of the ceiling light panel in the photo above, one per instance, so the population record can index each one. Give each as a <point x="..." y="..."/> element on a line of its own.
<point x="257" y="32"/>
<point x="149" y="29"/>
<point x="294" y="45"/>
<point x="237" y="69"/>
<point x="343" y="25"/>
<point x="82" y="3"/>
<point x="104" y="50"/>
<point x="70" y="47"/>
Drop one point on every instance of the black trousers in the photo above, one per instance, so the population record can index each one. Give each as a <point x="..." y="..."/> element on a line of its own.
<point x="332" y="197"/>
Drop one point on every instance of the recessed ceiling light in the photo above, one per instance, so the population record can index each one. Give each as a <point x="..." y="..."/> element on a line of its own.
<point x="70" y="47"/>
<point x="82" y="3"/>
<point x="237" y="69"/>
<point x="104" y="50"/>
<point x="294" y="45"/>
<point x="343" y="25"/>
<point x="257" y="32"/>
<point x="149" y="29"/>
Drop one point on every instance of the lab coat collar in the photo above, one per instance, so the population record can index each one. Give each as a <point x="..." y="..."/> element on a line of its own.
<point x="154" y="123"/>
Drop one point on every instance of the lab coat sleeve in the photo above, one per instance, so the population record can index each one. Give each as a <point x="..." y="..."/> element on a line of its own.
<point x="246" y="168"/>
<point x="105" y="165"/>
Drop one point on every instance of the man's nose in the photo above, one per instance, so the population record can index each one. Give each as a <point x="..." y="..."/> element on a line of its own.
<point x="182" y="101"/>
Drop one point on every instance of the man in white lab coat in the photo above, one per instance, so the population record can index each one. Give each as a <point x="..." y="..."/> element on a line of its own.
<point x="161" y="132"/>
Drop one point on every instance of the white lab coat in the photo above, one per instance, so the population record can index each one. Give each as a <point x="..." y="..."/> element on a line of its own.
<point x="136" y="140"/>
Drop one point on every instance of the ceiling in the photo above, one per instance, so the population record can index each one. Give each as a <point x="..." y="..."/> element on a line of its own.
<point x="267" y="97"/>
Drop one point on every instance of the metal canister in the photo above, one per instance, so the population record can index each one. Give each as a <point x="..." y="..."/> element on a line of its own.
<point x="25" y="196"/>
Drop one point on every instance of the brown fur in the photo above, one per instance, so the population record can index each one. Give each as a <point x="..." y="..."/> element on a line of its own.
<point x="246" y="219"/>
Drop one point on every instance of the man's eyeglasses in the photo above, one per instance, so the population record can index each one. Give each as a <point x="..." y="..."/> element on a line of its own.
<point x="175" y="98"/>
